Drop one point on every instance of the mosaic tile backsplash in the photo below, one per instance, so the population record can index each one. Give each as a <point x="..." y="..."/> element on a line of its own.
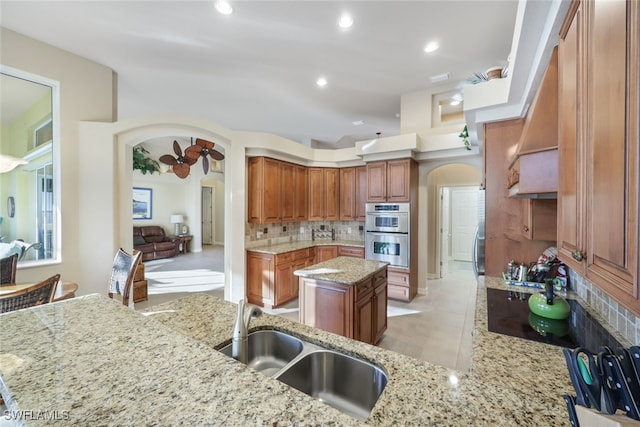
<point x="296" y="231"/>
<point x="616" y="315"/>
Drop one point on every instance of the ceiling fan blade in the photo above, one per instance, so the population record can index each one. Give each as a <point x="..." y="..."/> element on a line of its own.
<point x="204" y="143"/>
<point x="216" y="155"/>
<point x="168" y="160"/>
<point x="181" y="170"/>
<point x="176" y="148"/>
<point x="205" y="165"/>
<point x="189" y="161"/>
<point x="193" y="152"/>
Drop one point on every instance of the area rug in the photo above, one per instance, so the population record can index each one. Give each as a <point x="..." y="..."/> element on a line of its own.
<point x="199" y="280"/>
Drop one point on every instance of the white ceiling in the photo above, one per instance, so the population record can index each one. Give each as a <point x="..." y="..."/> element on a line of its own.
<point x="256" y="69"/>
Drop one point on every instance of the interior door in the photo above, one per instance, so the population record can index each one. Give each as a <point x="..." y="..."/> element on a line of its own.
<point x="464" y="219"/>
<point x="207" y="215"/>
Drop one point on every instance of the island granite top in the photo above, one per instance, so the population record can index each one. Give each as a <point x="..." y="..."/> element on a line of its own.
<point x="344" y="270"/>
<point x="280" y="248"/>
<point x="105" y="364"/>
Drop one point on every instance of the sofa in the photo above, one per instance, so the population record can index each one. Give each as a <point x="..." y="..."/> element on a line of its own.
<point x="154" y="243"/>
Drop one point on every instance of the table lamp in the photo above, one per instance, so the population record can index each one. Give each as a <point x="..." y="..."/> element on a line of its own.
<point x="177" y="220"/>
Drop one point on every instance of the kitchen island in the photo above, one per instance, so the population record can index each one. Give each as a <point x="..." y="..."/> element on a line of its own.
<point x="95" y="362"/>
<point x="346" y="296"/>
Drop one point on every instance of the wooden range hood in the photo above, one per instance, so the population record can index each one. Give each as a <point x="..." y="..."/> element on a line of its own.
<point x="533" y="172"/>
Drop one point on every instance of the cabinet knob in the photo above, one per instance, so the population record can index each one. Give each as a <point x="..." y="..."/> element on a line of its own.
<point x="577" y="255"/>
<point x="525" y="228"/>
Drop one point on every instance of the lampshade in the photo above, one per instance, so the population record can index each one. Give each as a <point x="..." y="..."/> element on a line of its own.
<point x="177" y="219"/>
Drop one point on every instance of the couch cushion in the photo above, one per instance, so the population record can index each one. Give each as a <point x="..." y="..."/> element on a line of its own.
<point x="138" y="240"/>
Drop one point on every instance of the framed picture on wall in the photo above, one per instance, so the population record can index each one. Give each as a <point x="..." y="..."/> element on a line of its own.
<point x="142" y="203"/>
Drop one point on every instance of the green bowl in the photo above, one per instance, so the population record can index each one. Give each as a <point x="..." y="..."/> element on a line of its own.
<point x="558" y="310"/>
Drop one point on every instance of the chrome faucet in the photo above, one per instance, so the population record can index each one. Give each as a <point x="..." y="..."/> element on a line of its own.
<point x="239" y="348"/>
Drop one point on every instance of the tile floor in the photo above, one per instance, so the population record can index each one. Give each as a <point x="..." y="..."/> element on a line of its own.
<point x="438" y="327"/>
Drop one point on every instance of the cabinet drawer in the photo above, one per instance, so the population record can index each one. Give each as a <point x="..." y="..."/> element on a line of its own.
<point x="351" y="251"/>
<point x="398" y="292"/>
<point x="380" y="278"/>
<point x="398" y="278"/>
<point x="363" y="289"/>
<point x="285" y="257"/>
<point x="301" y="254"/>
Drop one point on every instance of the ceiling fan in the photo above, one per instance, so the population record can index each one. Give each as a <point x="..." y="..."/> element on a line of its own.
<point x="181" y="164"/>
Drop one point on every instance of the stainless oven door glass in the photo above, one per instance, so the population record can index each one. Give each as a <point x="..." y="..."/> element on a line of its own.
<point x="391" y="248"/>
<point x="389" y="222"/>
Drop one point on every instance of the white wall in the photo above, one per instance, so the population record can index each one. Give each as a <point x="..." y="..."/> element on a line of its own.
<point x="86" y="93"/>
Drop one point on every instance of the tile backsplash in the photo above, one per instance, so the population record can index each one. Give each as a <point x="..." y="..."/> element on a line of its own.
<point x="618" y="317"/>
<point x="294" y="231"/>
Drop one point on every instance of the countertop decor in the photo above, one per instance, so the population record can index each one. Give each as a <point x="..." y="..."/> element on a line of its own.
<point x="107" y="365"/>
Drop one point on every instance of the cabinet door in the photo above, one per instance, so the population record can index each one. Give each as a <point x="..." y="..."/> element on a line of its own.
<point x="324" y="253"/>
<point x="363" y="318"/>
<point x="347" y="194"/>
<point x="287" y="191"/>
<point x="377" y="182"/>
<point x="271" y="190"/>
<point x="282" y="282"/>
<point x="332" y="194"/>
<point x="316" y="194"/>
<point x="260" y="278"/>
<point x="328" y="306"/>
<point x="379" y="311"/>
<point x="361" y="192"/>
<point x="398" y="180"/>
<point x="255" y="189"/>
<point x="611" y="213"/>
<point x="301" y="200"/>
<point x="540" y="219"/>
<point x="570" y="180"/>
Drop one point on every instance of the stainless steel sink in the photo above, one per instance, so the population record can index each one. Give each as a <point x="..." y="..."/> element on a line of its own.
<point x="351" y="385"/>
<point x="269" y="351"/>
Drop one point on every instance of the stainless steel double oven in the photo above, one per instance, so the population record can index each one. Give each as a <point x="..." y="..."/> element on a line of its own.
<point x="387" y="233"/>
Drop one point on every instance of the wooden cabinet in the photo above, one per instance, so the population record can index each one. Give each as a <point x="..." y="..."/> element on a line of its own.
<point x="391" y="181"/>
<point x="356" y="311"/>
<point x="539" y="219"/>
<point x="324" y="196"/>
<point x="270" y="278"/>
<point x="277" y="191"/>
<point x="324" y="253"/>
<point x="599" y="99"/>
<point x="351" y="251"/>
<point x="353" y="188"/>
<point x="401" y="287"/>
<point x="140" y="284"/>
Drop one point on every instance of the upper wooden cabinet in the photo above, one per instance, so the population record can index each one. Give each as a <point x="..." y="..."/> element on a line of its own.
<point x="391" y="181"/>
<point x="353" y="189"/>
<point x="598" y="192"/>
<point x="277" y="191"/>
<point x="324" y="194"/>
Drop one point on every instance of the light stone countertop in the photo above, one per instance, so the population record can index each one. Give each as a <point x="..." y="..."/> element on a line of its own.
<point x="280" y="248"/>
<point x="345" y="270"/>
<point x="108" y="365"/>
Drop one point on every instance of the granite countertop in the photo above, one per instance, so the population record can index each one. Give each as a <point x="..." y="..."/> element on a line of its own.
<point x="345" y="270"/>
<point x="280" y="248"/>
<point x="96" y="362"/>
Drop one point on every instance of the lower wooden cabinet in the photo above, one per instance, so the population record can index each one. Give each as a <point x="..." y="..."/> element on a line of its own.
<point x="355" y="311"/>
<point x="139" y="284"/>
<point x="401" y="287"/>
<point x="352" y="251"/>
<point x="324" y="253"/>
<point x="270" y="278"/>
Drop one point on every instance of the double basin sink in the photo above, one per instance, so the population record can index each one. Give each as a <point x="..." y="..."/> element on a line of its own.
<point x="348" y="384"/>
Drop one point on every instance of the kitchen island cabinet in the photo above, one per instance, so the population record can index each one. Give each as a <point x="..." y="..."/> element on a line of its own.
<point x="346" y="296"/>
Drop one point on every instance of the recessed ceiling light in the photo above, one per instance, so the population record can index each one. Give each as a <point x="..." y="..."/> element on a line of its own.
<point x="439" y="77"/>
<point x="431" y="47"/>
<point x="358" y="123"/>
<point x="454" y="103"/>
<point x="322" y="82"/>
<point x="345" y="21"/>
<point x="224" y="7"/>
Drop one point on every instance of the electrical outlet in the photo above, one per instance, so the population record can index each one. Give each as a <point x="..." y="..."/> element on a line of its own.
<point x="301" y="230"/>
<point x="348" y="230"/>
<point x="258" y="234"/>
